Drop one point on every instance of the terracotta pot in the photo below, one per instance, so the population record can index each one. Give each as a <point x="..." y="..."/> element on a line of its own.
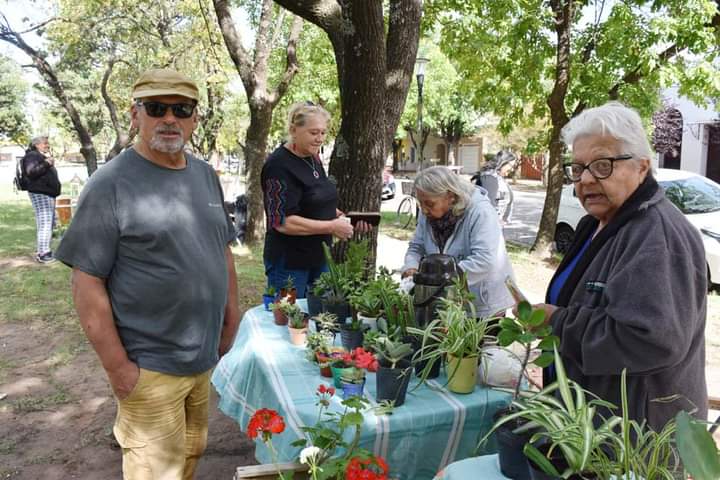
<point x="280" y="317"/>
<point x="462" y="373"/>
<point x="297" y="335"/>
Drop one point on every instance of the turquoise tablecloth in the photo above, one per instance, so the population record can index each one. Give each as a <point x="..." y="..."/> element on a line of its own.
<point x="432" y="429"/>
<point x="486" y="467"/>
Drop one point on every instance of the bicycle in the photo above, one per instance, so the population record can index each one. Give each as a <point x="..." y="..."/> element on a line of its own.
<point x="408" y="208"/>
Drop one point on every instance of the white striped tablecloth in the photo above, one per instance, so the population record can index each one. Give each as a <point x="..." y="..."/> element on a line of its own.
<point x="432" y="429"/>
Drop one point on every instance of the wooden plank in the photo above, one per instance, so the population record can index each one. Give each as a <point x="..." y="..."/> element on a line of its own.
<point x="714" y="403"/>
<point x="269" y="472"/>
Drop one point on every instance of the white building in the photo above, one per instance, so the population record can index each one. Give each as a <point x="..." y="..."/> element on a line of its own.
<point x="700" y="151"/>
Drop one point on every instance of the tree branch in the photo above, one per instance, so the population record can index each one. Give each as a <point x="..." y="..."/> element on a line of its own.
<point x="240" y="56"/>
<point x="291" y="63"/>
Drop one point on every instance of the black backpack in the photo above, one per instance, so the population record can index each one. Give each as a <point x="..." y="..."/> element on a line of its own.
<point x="20" y="180"/>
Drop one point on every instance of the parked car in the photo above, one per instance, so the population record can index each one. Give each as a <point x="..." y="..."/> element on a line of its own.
<point x="696" y="196"/>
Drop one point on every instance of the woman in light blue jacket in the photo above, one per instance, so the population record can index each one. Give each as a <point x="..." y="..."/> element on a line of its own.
<point x="458" y="219"/>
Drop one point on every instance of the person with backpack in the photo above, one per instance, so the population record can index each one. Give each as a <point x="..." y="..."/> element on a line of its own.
<point x="39" y="177"/>
<point x="492" y="179"/>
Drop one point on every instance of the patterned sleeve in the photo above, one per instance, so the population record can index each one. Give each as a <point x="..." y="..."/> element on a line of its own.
<point x="281" y="195"/>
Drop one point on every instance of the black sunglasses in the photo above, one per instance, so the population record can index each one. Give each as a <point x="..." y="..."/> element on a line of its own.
<point x="158" y="109"/>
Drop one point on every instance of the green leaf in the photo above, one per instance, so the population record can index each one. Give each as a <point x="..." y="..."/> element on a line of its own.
<point x="505" y="338"/>
<point x="547" y="343"/>
<point x="524" y="310"/>
<point x="537" y="318"/>
<point x="539" y="459"/>
<point x="697" y="448"/>
<point x="544" y="360"/>
<point x="508" y="324"/>
<point x="352" y="418"/>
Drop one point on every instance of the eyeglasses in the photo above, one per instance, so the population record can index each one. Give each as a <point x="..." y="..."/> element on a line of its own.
<point x="600" y="168"/>
<point x="158" y="109"/>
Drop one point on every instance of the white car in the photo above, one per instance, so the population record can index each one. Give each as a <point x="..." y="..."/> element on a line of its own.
<point x="696" y="196"/>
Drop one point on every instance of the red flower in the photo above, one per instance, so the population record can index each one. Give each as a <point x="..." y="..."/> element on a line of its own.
<point x="365" y="360"/>
<point x="373" y="468"/>
<point x="266" y="421"/>
<point x="322" y="390"/>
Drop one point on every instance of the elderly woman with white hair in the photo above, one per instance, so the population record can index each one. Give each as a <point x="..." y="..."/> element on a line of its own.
<point x="458" y="219"/>
<point x="631" y="291"/>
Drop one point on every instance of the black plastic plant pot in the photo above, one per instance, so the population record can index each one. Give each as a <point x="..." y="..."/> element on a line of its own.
<point x="513" y="462"/>
<point x="392" y="383"/>
<point x="434" y="370"/>
<point x="351" y="339"/>
<point x="314" y="303"/>
<point x="340" y="309"/>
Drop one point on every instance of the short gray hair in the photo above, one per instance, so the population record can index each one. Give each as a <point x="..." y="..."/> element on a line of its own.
<point x="38" y="140"/>
<point x="437" y="181"/>
<point x="614" y="119"/>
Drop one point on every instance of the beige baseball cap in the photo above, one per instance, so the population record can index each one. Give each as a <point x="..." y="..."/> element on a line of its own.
<point x="164" y="81"/>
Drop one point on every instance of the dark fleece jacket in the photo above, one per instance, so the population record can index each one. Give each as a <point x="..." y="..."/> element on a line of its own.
<point x="636" y="300"/>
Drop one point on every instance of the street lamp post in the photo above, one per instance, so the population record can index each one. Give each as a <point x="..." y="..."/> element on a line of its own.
<point x="420" y="63"/>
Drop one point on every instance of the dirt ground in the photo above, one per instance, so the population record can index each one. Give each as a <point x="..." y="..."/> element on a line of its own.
<point x="57" y="413"/>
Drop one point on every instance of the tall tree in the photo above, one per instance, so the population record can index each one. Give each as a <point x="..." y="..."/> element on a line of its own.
<point x="375" y="54"/>
<point x="254" y="68"/>
<point x="14" y="126"/>
<point x="552" y="59"/>
<point x="47" y="72"/>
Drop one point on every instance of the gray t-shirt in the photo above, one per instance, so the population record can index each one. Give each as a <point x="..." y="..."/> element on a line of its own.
<point x="158" y="236"/>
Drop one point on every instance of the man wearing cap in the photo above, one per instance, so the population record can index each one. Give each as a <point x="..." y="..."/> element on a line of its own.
<point x="154" y="280"/>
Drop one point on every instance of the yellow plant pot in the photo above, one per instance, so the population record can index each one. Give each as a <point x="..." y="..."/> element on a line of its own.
<point x="462" y="373"/>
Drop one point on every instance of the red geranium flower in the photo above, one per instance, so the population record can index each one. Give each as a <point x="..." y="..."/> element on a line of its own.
<point x="373" y="468"/>
<point x="322" y="390"/>
<point x="365" y="360"/>
<point x="266" y="421"/>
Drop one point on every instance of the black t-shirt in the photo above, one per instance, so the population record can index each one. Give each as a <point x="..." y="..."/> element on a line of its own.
<point x="290" y="187"/>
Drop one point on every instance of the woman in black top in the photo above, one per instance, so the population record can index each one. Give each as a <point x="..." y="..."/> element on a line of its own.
<point x="300" y="203"/>
<point x="43" y="186"/>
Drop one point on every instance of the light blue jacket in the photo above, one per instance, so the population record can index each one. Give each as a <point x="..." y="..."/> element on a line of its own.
<point x="479" y="247"/>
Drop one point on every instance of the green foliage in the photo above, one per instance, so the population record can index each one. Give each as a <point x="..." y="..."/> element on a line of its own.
<point x="14" y="126"/>
<point x="393" y="351"/>
<point x="526" y="328"/>
<point x="697" y="448"/>
<point x="505" y="53"/>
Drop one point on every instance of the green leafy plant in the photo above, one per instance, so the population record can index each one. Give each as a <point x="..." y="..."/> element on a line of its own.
<point x="318" y="342"/>
<point x="393" y="351"/>
<point x="526" y="328"/>
<point x="286" y="307"/>
<point x="327" y="322"/>
<point x="697" y="448"/>
<point x="399" y="314"/>
<point x="297" y="318"/>
<point x="569" y="424"/>
<point x="270" y="291"/>
<point x="344" y="279"/>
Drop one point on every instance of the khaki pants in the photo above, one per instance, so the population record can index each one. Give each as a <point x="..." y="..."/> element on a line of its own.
<point x="162" y="426"/>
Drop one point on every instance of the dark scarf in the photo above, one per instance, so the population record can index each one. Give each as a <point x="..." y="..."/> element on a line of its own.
<point x="442" y="228"/>
<point x="587" y="226"/>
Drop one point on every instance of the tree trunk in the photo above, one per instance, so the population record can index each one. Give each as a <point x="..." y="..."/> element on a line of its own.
<point x="563" y="10"/>
<point x="261" y="100"/>
<point x="122" y="138"/>
<point x="255" y="152"/>
<point x="374" y="71"/>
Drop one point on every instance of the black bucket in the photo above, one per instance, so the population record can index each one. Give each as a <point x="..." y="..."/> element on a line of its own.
<point x="392" y="383"/>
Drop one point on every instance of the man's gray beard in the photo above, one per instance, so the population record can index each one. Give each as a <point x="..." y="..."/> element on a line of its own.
<point x="167" y="146"/>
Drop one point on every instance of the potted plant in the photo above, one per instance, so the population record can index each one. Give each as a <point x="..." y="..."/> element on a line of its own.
<point x="351" y="333"/>
<point x="571" y="437"/>
<point x="315" y="295"/>
<point x="394" y="370"/>
<point x="297" y="325"/>
<point x="326" y="321"/>
<point x="458" y="335"/>
<point x="268" y="297"/>
<point x="367" y="301"/>
<point x="349" y="370"/>
<point x="318" y="342"/>
<point x="281" y="309"/>
<point x="527" y="328"/>
<point x="343" y="279"/>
